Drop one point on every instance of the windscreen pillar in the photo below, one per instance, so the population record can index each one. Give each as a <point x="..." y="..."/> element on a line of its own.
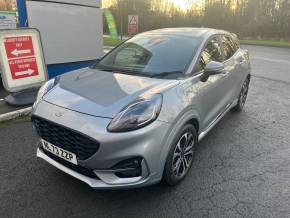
<point x="71" y="31"/>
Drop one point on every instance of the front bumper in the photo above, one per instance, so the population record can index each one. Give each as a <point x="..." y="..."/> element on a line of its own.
<point x="147" y="143"/>
<point x="94" y="183"/>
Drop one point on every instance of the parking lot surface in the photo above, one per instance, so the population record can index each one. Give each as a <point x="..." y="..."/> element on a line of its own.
<point x="241" y="168"/>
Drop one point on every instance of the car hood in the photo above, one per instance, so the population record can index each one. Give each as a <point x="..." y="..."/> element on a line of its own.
<point x="103" y="94"/>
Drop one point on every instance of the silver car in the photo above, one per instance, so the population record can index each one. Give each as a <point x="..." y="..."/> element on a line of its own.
<point x="136" y="116"/>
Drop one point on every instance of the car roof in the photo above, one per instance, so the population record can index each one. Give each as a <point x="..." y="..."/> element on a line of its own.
<point x="201" y="33"/>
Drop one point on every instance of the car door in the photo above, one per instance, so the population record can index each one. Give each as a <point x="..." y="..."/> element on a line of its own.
<point x="213" y="94"/>
<point x="243" y="68"/>
<point x="232" y="65"/>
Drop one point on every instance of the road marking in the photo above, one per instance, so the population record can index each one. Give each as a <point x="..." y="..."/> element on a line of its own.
<point x="1" y="99"/>
<point x="15" y="114"/>
<point x="270" y="59"/>
<point x="271" y="79"/>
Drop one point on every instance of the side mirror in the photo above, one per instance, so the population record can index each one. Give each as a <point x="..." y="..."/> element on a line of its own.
<point x="212" y="68"/>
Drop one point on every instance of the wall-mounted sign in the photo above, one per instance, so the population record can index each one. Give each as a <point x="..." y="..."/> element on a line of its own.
<point x="21" y="59"/>
<point x="133" y="24"/>
<point x="8" y="20"/>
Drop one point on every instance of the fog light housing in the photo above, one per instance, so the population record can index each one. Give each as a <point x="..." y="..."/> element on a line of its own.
<point x="129" y="168"/>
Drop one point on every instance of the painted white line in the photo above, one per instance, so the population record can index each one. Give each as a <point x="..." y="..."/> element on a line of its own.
<point x="15" y="114"/>
<point x="1" y="99"/>
<point x="270" y="59"/>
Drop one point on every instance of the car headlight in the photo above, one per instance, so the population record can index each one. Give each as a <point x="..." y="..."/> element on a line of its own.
<point x="137" y="114"/>
<point x="45" y="88"/>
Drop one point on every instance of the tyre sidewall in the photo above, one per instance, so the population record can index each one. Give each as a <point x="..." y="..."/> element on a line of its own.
<point x="168" y="175"/>
<point x="239" y="107"/>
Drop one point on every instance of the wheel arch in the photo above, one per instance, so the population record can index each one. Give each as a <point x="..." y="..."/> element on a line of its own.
<point x="188" y="117"/>
<point x="194" y="121"/>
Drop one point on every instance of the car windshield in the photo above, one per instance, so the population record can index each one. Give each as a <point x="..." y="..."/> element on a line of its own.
<point x="151" y="55"/>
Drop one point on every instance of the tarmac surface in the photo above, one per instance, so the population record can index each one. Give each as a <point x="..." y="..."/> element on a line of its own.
<point x="4" y="107"/>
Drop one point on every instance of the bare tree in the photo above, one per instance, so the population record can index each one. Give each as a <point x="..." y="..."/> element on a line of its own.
<point x="7" y="5"/>
<point x="248" y="18"/>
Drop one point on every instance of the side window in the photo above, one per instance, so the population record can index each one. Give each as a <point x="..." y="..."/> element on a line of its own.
<point x="229" y="47"/>
<point x="212" y="52"/>
<point x="235" y="41"/>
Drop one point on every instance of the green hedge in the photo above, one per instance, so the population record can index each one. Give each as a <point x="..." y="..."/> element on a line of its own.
<point x="108" y="41"/>
<point x="282" y="44"/>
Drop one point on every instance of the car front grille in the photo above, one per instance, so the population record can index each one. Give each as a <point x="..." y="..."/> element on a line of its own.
<point x="82" y="146"/>
<point x="82" y="170"/>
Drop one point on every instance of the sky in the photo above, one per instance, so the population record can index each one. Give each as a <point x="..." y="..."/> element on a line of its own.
<point x="180" y="4"/>
<point x="185" y="4"/>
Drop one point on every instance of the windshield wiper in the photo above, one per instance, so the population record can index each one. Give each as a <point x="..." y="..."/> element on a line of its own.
<point x="103" y="68"/>
<point x="107" y="70"/>
<point x="119" y="70"/>
<point x="168" y="73"/>
<point x="130" y="72"/>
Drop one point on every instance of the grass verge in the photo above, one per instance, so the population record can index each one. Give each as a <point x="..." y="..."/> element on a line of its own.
<point x="108" y="41"/>
<point x="272" y="43"/>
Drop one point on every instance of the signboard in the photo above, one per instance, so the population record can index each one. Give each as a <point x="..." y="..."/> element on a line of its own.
<point x="111" y="23"/>
<point x="21" y="59"/>
<point x="133" y="24"/>
<point x="8" y="20"/>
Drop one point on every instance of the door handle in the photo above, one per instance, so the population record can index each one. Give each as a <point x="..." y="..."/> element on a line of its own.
<point x="241" y="61"/>
<point x="225" y="72"/>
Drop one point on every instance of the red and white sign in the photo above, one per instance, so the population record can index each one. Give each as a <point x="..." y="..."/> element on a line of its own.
<point x="24" y="67"/>
<point x="133" y="24"/>
<point x="19" y="46"/>
<point x="21" y="59"/>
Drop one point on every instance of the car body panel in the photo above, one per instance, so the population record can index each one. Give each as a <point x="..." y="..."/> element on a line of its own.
<point x="80" y="91"/>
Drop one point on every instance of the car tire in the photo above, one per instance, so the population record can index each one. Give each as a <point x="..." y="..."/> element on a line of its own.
<point x="181" y="156"/>
<point x="243" y="96"/>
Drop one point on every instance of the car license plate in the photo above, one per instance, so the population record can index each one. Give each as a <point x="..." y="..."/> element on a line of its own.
<point x="64" y="154"/>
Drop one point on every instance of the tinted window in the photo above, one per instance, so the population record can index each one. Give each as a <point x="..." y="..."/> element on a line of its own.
<point x="152" y="54"/>
<point x="235" y="41"/>
<point x="212" y="52"/>
<point x="229" y="47"/>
